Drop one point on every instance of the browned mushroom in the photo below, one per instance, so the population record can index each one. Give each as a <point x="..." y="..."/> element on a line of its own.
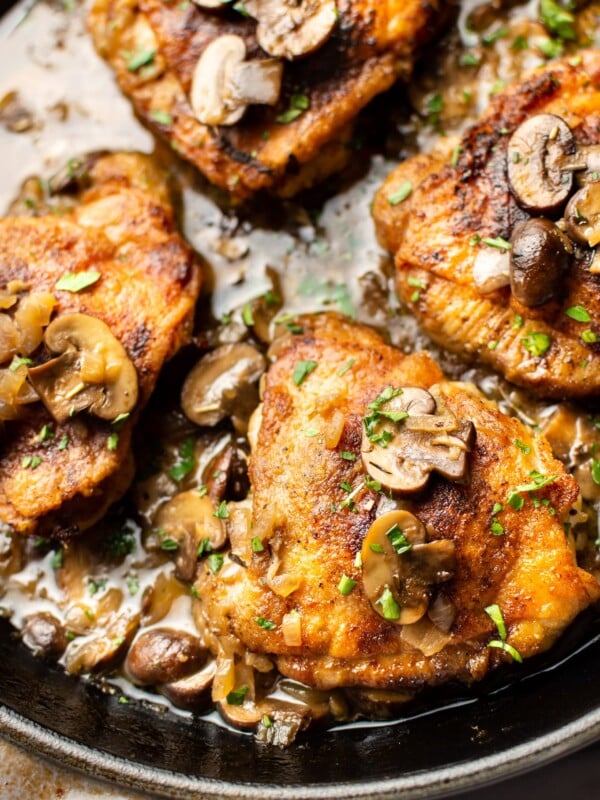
<point x="417" y="442"/>
<point x="539" y="260"/>
<point x="191" y="693"/>
<point x="189" y="520"/>
<point x="275" y="721"/>
<point x="224" y="84"/>
<point x="92" y="372"/>
<point x="536" y="155"/>
<point x="401" y="569"/>
<point x="582" y="215"/>
<point x="44" y="635"/>
<point x="164" y="655"/>
<point x="292" y="28"/>
<point x="223" y="383"/>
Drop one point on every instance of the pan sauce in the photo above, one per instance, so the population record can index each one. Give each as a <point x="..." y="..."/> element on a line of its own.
<point x="58" y="100"/>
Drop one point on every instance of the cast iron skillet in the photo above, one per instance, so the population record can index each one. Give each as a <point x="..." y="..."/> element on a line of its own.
<point x="516" y="720"/>
<point x="447" y="741"/>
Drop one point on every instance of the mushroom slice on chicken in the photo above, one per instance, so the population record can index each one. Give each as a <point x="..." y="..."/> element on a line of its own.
<point x="391" y="594"/>
<point x="264" y="100"/>
<point x="122" y="285"/>
<point x="504" y="241"/>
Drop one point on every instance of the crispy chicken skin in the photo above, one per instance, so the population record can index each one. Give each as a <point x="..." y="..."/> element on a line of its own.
<point x="431" y="234"/>
<point x="123" y="228"/>
<point x="298" y="510"/>
<point x="372" y="45"/>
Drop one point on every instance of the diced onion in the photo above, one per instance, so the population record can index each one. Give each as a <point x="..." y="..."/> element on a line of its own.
<point x="291" y="628"/>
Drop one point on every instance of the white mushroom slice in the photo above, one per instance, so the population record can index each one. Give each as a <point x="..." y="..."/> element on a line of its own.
<point x="491" y="270"/>
<point x="211" y="5"/>
<point x="92" y="370"/>
<point x="224" y="84"/>
<point x="292" y="28"/>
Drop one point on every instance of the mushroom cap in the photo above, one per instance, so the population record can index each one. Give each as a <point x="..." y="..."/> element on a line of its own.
<point x="164" y="655"/>
<point x="219" y="381"/>
<point x="582" y="215"/>
<point x="93" y="370"/>
<point x="291" y="30"/>
<point x="537" y="152"/>
<point x="209" y="93"/>
<point x="539" y="259"/>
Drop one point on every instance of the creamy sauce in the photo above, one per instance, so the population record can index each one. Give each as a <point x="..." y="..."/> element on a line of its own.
<point x="316" y="257"/>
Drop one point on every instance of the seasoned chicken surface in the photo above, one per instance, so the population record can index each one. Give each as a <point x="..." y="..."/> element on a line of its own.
<point x="56" y="477"/>
<point x="460" y="222"/>
<point x="372" y="44"/>
<point x="297" y="589"/>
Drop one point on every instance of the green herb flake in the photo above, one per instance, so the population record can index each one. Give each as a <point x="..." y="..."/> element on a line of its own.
<point x="222" y="512"/>
<point x="389" y="606"/>
<point x="140" y="59"/>
<point x="302" y="370"/>
<point x="495" y="614"/>
<point x="257" y="545"/>
<point x="498" y="242"/>
<point x="204" y="547"/>
<point x="524" y="448"/>
<point x="578" y="313"/>
<point x="133" y="584"/>
<point x="310" y="433"/>
<point x="398" y="540"/>
<point x="550" y="48"/>
<point x="19" y="362"/>
<point x="372" y="484"/>
<point x="299" y="103"/>
<point x="236" y="697"/>
<point x="401" y="194"/>
<point x="557" y="19"/>
<point x="77" y="281"/>
<point x="496" y="527"/>
<point x="45" y="434"/>
<point x="515" y="500"/>
<point x="265" y="623"/>
<point x="347" y="456"/>
<point x="113" y="441"/>
<point x="469" y="59"/>
<point x="416" y="283"/>
<point x="162" y="117"/>
<point x="508" y="648"/>
<point x="95" y="586"/>
<point x="595" y="469"/>
<point x="64" y="443"/>
<point x="266" y="721"/>
<point x="169" y="544"/>
<point x="215" y="562"/>
<point x="518" y="321"/>
<point x="56" y="560"/>
<point x="498" y="507"/>
<point x="31" y="462"/>
<point x="121" y="543"/>
<point x="537" y="344"/>
<point x="376" y="548"/>
<point x="589" y="337"/>
<point x="493" y="36"/>
<point x="186" y="461"/>
<point x="346" y="367"/>
<point x="346" y="585"/>
<point x="248" y="315"/>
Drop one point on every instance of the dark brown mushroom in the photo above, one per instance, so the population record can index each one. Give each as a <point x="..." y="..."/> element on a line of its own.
<point x="539" y="260"/>
<point x="164" y="655"/>
<point x="223" y="383"/>
<point x="379" y="703"/>
<point x="421" y="443"/>
<point x="292" y="28"/>
<point x="401" y="569"/>
<point x="582" y="215"/>
<point x="44" y="635"/>
<point x="536" y="155"/>
<point x="288" y="719"/>
<point x="192" y="693"/>
<point x="92" y="372"/>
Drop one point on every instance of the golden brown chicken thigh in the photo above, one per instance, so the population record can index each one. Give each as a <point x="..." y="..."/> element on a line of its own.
<point x="495" y="254"/>
<point x="95" y="301"/>
<point x="345" y="582"/>
<point x="154" y="48"/>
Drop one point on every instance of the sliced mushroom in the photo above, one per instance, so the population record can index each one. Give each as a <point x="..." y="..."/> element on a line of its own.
<point x="539" y="260"/>
<point x="164" y="655"/>
<point x="419" y="445"/>
<point x="92" y="372"/>
<point x="189" y="519"/>
<point x="292" y="28"/>
<point x="401" y="569"/>
<point x="211" y="5"/>
<point x="192" y="693"/>
<point x="287" y="719"/>
<point x="536" y="154"/>
<point x="379" y="703"/>
<point x="224" y="84"/>
<point x="582" y="215"/>
<point x="223" y="383"/>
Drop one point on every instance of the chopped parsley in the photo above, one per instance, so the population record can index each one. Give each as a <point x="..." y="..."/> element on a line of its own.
<point x="222" y="512"/>
<point x="56" y="561"/>
<point x="299" y="103"/>
<point x="371" y="421"/>
<point x="204" y="547"/>
<point x="215" y="562"/>
<point x="265" y="623"/>
<point x="536" y="343"/>
<point x="347" y="456"/>
<point x="77" y="281"/>
<point x="524" y="448"/>
<point x="113" y="441"/>
<point x="389" y="607"/>
<point x="398" y="540"/>
<point x="596" y="471"/>
<point x="347" y="366"/>
<point x="578" y="313"/>
<point x="236" y="697"/>
<point x="557" y="19"/>
<point x="257" y="545"/>
<point x="140" y="59"/>
<point x="497" y="242"/>
<point x="162" y="117"/>
<point x="95" y="586"/>
<point x="121" y="543"/>
<point x="186" y="461"/>
<point x="302" y="370"/>
<point x="31" y="462"/>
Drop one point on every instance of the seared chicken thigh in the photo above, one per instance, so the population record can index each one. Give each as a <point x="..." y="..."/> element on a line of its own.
<point x="402" y="531"/>
<point x="304" y="135"/>
<point x="93" y="303"/>
<point x="496" y="250"/>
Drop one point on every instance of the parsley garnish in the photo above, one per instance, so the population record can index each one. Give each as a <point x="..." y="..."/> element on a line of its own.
<point x="495" y="614"/>
<point x="186" y="461"/>
<point x="77" y="281"/>
<point x="402" y="193"/>
<point x="346" y="585"/>
<point x="302" y="370"/>
<point x="265" y="623"/>
<point x="299" y="103"/>
<point x="578" y="313"/>
<point x="398" y="540"/>
<point x="140" y="59"/>
<point x="222" y="512"/>
<point x="536" y="343"/>
<point x="215" y="562"/>
<point x="389" y="606"/>
<point x="236" y="697"/>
